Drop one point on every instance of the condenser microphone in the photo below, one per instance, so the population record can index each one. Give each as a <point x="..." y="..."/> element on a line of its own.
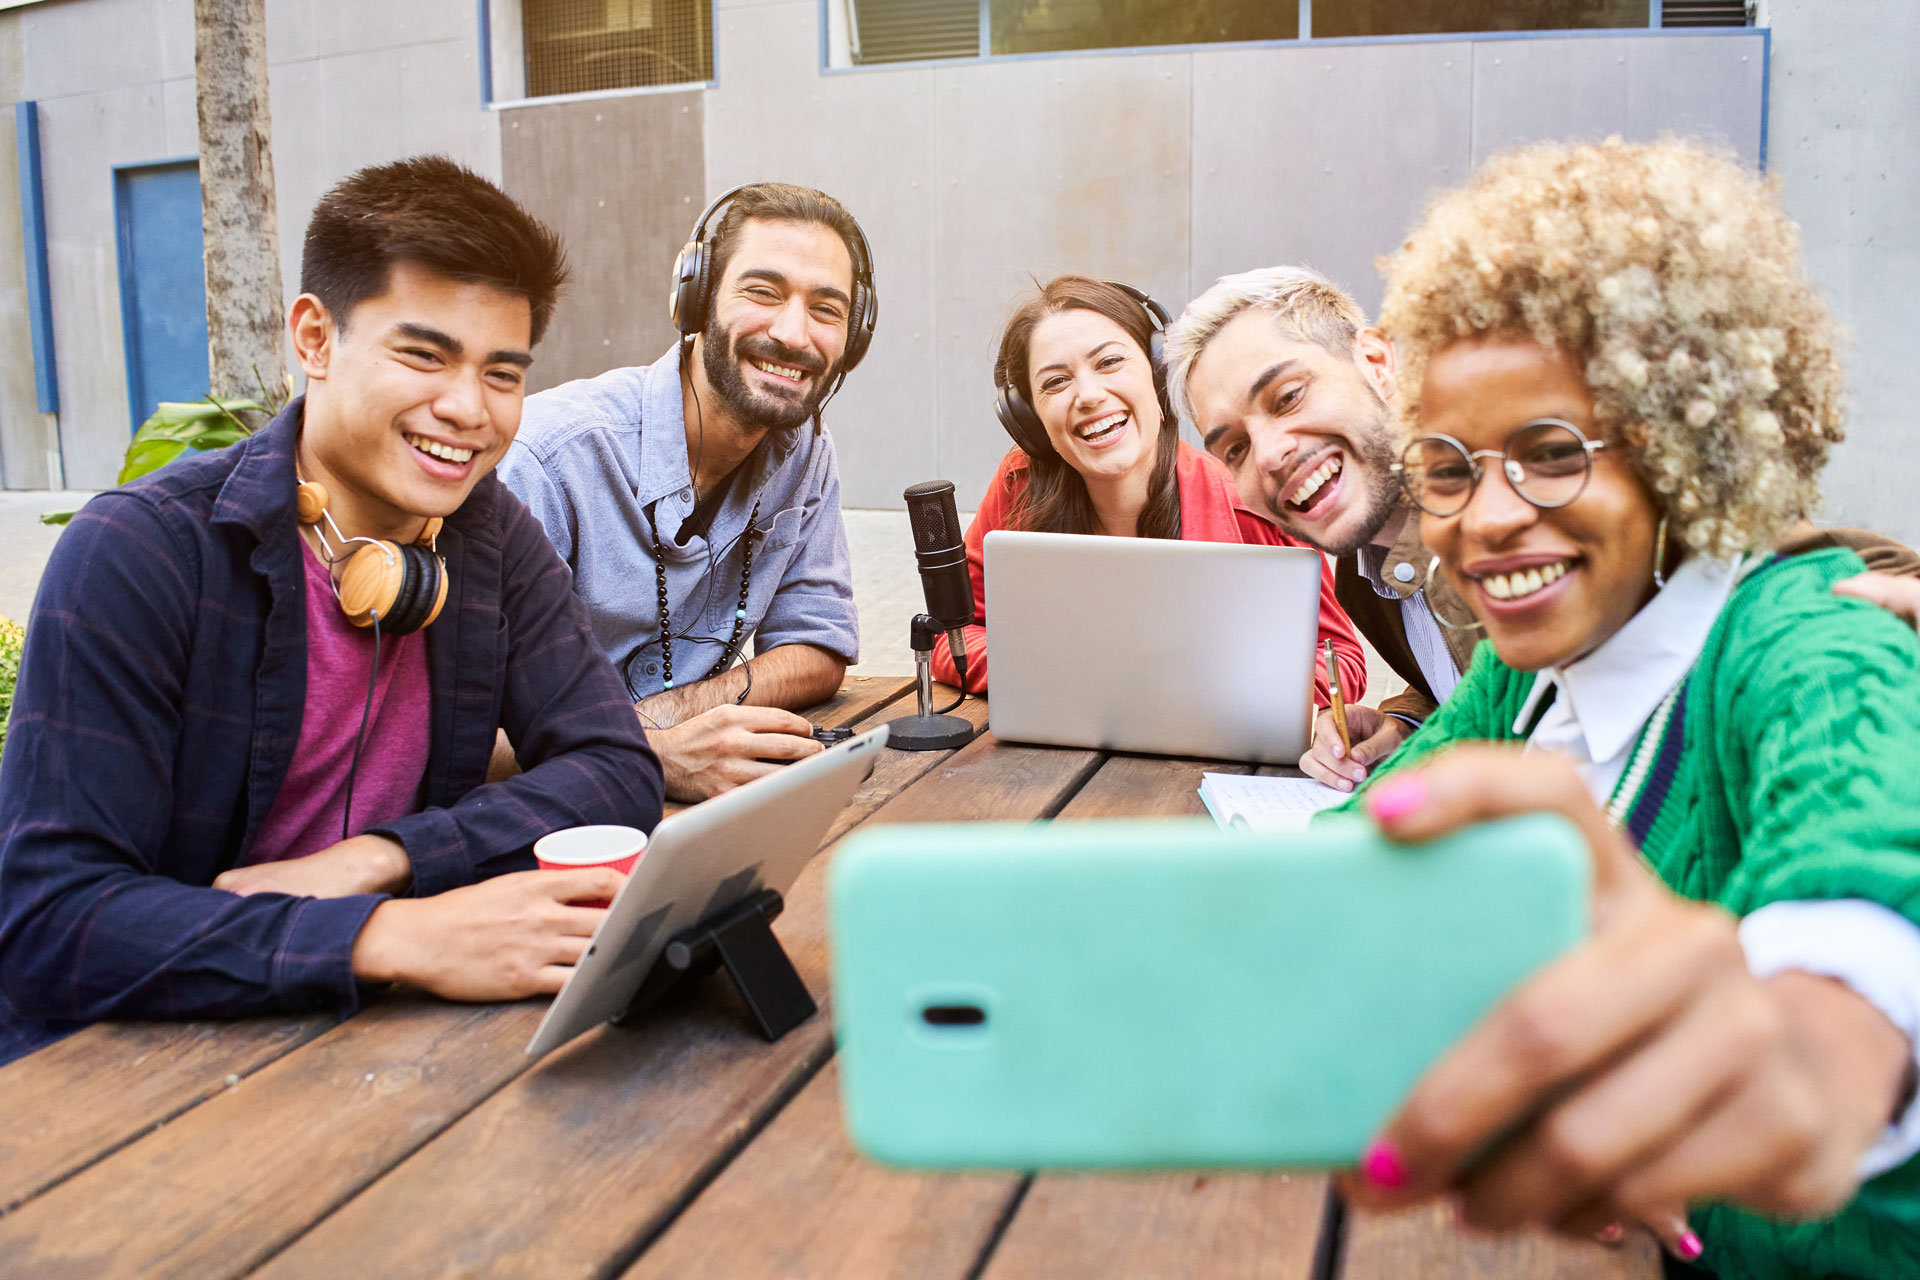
<point x="942" y="555"/>
<point x="941" y="551"/>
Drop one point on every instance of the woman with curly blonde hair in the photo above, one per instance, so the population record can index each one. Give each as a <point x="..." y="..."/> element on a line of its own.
<point x="1617" y="391"/>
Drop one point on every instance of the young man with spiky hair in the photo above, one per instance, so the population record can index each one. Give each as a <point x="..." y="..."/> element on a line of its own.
<point x="1294" y="391"/>
<point x="697" y="499"/>
<point x="224" y="796"/>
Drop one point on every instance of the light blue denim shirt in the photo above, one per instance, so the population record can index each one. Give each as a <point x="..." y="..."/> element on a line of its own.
<point x="593" y="455"/>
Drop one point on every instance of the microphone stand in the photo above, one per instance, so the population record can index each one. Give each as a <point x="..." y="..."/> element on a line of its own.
<point x="927" y="731"/>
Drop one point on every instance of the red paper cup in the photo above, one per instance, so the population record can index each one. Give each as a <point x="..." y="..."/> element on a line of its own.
<point x="576" y="847"/>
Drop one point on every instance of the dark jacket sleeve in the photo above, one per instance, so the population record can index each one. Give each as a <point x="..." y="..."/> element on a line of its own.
<point x="1381" y="623"/>
<point x="89" y="928"/>
<point x="1881" y="554"/>
<point x="563" y="706"/>
<point x="1409" y="704"/>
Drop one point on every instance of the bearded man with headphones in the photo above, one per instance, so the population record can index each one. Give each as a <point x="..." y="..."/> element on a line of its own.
<point x="697" y="499"/>
<point x="246" y="772"/>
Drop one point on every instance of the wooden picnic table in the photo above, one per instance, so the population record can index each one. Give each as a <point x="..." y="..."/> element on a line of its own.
<point x="417" y="1139"/>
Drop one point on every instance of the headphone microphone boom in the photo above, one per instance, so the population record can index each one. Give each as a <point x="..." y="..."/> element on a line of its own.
<point x="942" y="556"/>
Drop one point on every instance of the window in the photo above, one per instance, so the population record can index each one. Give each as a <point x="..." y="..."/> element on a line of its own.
<point x="588" y="46"/>
<point x="868" y="32"/>
<point x="1048" y="26"/>
<point x="911" y="30"/>
<point x="1706" y="13"/>
<point x="1332" y="18"/>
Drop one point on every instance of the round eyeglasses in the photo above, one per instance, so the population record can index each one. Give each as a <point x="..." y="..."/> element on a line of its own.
<point x="1547" y="462"/>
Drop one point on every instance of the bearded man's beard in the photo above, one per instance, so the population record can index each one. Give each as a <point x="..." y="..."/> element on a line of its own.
<point x="761" y="408"/>
<point x="1369" y="446"/>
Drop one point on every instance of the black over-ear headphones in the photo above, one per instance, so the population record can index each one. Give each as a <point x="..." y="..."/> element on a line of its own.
<point x="691" y="298"/>
<point x="403" y="587"/>
<point x="1024" y="425"/>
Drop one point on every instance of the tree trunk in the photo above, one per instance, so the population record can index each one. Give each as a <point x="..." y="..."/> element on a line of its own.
<point x="245" y="319"/>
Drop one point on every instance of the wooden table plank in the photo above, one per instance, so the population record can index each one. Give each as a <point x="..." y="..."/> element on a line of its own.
<point x="218" y="1189"/>
<point x="75" y="1101"/>
<point x="1425" y="1242"/>
<point x="1174" y="1225"/>
<point x="88" y="1095"/>
<point x="993" y="781"/>
<point x="1221" y="1226"/>
<point x="860" y="697"/>
<point x="617" y="1133"/>
<point x="834" y="1212"/>
<point x="1146" y="787"/>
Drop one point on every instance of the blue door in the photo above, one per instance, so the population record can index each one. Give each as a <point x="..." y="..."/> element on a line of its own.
<point x="163" y="284"/>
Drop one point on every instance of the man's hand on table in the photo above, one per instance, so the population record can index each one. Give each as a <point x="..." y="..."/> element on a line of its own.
<point x="723" y="747"/>
<point x="363" y="864"/>
<point x="1376" y="735"/>
<point x="503" y="939"/>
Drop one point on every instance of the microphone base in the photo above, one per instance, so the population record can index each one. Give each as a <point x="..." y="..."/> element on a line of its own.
<point x="929" y="733"/>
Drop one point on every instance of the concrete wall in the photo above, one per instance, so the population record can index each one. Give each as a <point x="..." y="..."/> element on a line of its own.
<point x="25" y="433"/>
<point x="1844" y="139"/>
<point x="1166" y="170"/>
<point x="353" y="82"/>
<point x="621" y="180"/>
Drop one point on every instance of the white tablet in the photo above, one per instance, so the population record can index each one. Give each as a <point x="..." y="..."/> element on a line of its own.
<point x="1147" y="644"/>
<point x="698" y="863"/>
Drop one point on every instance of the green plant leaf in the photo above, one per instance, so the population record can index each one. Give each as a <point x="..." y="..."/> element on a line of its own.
<point x="178" y="425"/>
<point x="147" y="456"/>
<point x="56" y="517"/>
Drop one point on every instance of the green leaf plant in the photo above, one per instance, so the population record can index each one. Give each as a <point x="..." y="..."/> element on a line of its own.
<point x="12" y="640"/>
<point x="177" y="426"/>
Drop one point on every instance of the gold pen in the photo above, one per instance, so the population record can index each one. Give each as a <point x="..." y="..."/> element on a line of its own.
<point x="1338" y="699"/>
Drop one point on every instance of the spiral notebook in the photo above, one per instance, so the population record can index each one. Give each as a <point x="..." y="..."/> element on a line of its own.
<point x="1248" y="802"/>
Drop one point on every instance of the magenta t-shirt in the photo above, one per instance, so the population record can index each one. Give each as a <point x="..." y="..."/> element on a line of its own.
<point x="305" y="817"/>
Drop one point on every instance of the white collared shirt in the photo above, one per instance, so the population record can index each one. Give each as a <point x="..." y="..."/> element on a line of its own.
<point x="1603" y="701"/>
<point x="1424" y="637"/>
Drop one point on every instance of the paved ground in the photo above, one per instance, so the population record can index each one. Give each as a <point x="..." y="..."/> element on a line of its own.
<point x="25" y="544"/>
<point x="886" y="585"/>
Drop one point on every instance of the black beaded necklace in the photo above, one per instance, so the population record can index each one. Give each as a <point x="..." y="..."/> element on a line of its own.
<point x="739" y="613"/>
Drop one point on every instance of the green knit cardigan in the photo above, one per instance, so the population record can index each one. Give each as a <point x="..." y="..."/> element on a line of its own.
<point x="1789" y="768"/>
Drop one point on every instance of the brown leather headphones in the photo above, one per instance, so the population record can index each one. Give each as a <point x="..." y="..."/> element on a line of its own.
<point x="404" y="587"/>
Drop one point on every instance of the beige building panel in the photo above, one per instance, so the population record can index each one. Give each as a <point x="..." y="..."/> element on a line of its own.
<point x="621" y="180"/>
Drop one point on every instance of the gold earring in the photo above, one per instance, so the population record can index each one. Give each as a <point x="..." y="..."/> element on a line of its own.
<point x="1660" y="554"/>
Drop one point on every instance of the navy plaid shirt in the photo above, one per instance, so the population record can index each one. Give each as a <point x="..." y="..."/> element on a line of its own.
<point x="157" y="711"/>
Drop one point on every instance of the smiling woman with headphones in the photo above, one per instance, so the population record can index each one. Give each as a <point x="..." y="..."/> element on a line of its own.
<point x="1081" y="388"/>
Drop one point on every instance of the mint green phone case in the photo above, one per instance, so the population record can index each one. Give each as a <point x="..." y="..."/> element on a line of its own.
<point x="1164" y="993"/>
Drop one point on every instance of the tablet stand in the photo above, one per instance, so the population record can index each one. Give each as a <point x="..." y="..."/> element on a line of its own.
<point x="740" y="939"/>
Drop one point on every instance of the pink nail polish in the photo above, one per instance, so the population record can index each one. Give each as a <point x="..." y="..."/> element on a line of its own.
<point x="1395" y="799"/>
<point x="1612" y="1233"/>
<point x="1690" y="1246"/>
<point x="1382" y="1166"/>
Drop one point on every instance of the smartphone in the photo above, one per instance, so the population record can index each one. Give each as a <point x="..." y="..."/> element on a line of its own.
<point x="1166" y="994"/>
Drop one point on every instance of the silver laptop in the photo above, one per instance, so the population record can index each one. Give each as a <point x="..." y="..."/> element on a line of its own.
<point x="699" y="862"/>
<point x="1144" y="644"/>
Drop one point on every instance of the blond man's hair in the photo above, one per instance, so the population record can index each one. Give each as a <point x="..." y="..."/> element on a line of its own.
<point x="1305" y="306"/>
<point x="1669" y="274"/>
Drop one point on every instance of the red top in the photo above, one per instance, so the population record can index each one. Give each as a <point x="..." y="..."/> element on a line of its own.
<point x="1210" y="511"/>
